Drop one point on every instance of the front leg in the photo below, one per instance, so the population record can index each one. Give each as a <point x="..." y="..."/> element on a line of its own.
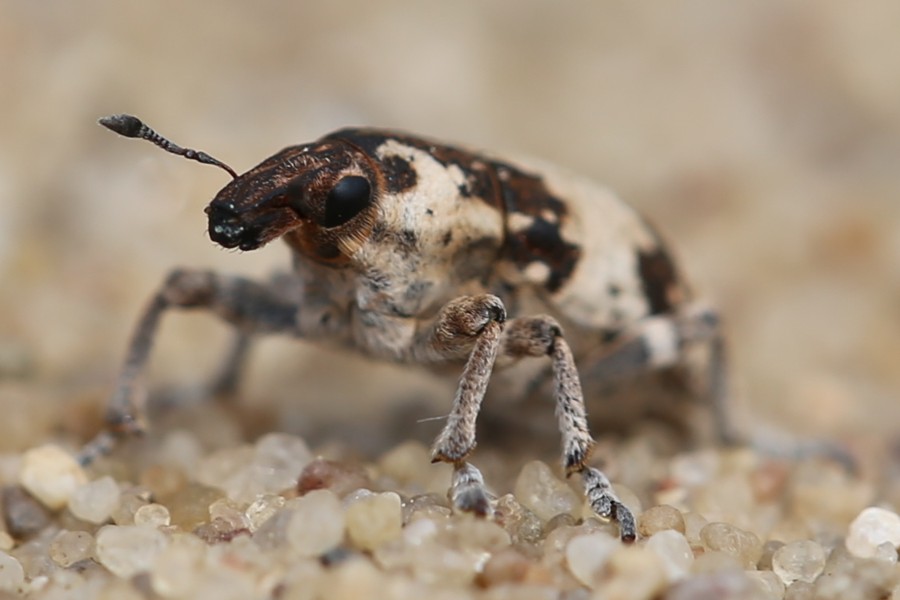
<point x="250" y="306"/>
<point x="542" y="336"/>
<point x="469" y="325"/>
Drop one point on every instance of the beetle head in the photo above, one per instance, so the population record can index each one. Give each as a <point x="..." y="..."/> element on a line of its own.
<point x="320" y="197"/>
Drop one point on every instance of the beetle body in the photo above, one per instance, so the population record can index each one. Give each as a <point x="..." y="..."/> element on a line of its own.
<point x="419" y="252"/>
<point x="444" y="222"/>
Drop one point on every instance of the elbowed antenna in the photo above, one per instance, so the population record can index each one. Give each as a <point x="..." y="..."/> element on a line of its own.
<point x="130" y="126"/>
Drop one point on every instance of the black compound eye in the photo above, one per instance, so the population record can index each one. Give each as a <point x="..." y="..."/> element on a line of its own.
<point x="346" y="199"/>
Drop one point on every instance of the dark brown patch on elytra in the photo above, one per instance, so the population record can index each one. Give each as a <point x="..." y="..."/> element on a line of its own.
<point x="479" y="180"/>
<point x="399" y="174"/>
<point x="659" y="279"/>
<point x="404" y="241"/>
<point x="542" y="241"/>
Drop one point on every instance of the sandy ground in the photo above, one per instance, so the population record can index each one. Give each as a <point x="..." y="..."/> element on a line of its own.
<point x="762" y="138"/>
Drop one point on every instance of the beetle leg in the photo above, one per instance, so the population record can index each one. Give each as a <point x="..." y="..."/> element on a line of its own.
<point x="225" y="383"/>
<point x="542" y="336"/>
<point x="658" y="342"/>
<point x="473" y="323"/>
<point x="250" y="306"/>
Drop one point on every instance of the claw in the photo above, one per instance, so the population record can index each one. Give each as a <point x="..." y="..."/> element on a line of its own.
<point x="604" y="502"/>
<point x="467" y="491"/>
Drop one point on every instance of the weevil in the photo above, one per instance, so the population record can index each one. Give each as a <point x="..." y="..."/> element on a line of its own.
<point x="414" y="251"/>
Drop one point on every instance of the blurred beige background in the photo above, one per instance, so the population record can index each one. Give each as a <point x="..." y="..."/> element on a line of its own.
<point x="762" y="137"/>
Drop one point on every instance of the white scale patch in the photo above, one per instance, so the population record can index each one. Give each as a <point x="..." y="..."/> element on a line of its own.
<point x="610" y="234"/>
<point x="662" y="341"/>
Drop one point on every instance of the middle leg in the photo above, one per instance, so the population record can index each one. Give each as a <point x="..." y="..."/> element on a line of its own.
<point x="542" y="336"/>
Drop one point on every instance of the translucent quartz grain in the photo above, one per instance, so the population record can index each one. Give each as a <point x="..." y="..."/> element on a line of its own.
<point x="799" y="561"/>
<point x="470" y="532"/>
<point x="279" y="459"/>
<point x="119" y="589"/>
<point x="34" y="555"/>
<point x="353" y="580"/>
<point x="847" y="577"/>
<point x="509" y="565"/>
<point x="445" y="567"/>
<point x="272" y="534"/>
<point x="316" y="523"/>
<point x="270" y="466"/>
<point x="130" y="500"/>
<point x="176" y="570"/>
<point x="406" y="463"/>
<point x="800" y="590"/>
<point x="693" y="525"/>
<point x="587" y="554"/>
<point x="427" y="506"/>
<point x="520" y="522"/>
<point x="419" y="532"/>
<point x="674" y="552"/>
<point x="659" y="518"/>
<point x="51" y="475"/>
<point x="95" y="501"/>
<point x="887" y="552"/>
<point x="63" y="584"/>
<point x="769" y="549"/>
<point x="539" y="490"/>
<point x="128" y="550"/>
<point x="373" y="520"/>
<point x="189" y="506"/>
<point x="742" y="545"/>
<point x="731" y="584"/>
<point x="70" y="547"/>
<point x="12" y="575"/>
<point x="769" y="584"/>
<point x="230" y="512"/>
<point x="261" y="509"/>
<point x="632" y="573"/>
<point x="152" y="515"/>
<point x="871" y="528"/>
<point x="713" y="561"/>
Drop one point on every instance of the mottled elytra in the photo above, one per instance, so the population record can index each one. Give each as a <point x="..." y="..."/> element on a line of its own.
<point x="413" y="251"/>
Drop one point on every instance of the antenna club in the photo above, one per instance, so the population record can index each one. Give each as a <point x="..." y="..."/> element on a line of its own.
<point x="125" y="125"/>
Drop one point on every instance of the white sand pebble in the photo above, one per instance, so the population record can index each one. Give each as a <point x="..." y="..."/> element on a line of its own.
<point x="12" y="575"/>
<point x="586" y="554"/>
<point x="51" y="475"/>
<point x="95" y="501"/>
<point x="873" y="527"/>
<point x="801" y="560"/>
<point x="317" y="523"/>
<point x="374" y="520"/>
<point x="676" y="554"/>
<point x="130" y="549"/>
<point x="540" y="490"/>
